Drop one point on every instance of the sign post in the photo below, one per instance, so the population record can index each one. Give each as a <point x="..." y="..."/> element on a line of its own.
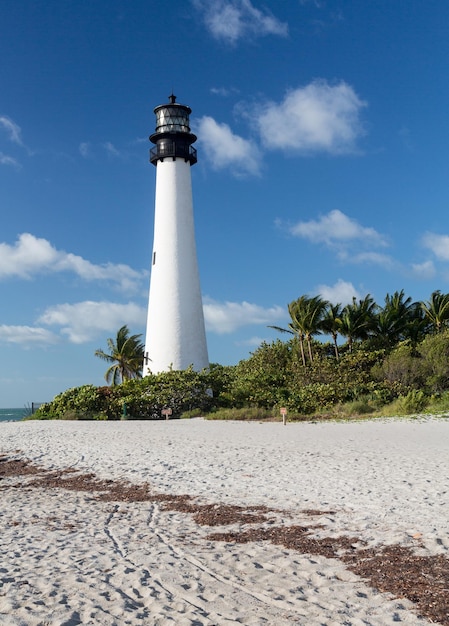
<point x="284" y="415"/>
<point x="167" y="412"/>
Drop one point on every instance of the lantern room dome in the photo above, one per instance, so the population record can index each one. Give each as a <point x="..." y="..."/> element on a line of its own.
<point x="172" y="117"/>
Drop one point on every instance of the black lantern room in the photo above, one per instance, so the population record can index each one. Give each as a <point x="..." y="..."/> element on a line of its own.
<point x="173" y="138"/>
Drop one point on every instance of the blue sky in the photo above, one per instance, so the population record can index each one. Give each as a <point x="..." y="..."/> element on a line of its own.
<point x="322" y="166"/>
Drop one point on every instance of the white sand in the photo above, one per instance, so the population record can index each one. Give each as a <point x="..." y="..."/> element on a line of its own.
<point x="68" y="559"/>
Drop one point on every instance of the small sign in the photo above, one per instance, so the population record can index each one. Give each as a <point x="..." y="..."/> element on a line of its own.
<point x="167" y="412"/>
<point x="284" y="415"/>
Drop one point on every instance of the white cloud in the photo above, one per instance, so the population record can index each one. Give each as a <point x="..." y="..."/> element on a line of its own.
<point x="319" y="117"/>
<point x="111" y="149"/>
<point x="12" y="129"/>
<point x="31" y="255"/>
<point x="336" y="228"/>
<point x="252" y="342"/>
<point x="372" y="258"/>
<point x="424" y="271"/>
<point x="8" y="160"/>
<point x="123" y="275"/>
<point x="226" y="317"/>
<point x="352" y="242"/>
<point x="316" y="118"/>
<point x="26" y="336"/>
<point x="89" y="150"/>
<point x="85" y="149"/>
<point x="224" y="149"/>
<point x="438" y="244"/>
<point x="84" y="321"/>
<point x="28" y="256"/>
<point x="223" y="91"/>
<point x="232" y="20"/>
<point x="340" y="293"/>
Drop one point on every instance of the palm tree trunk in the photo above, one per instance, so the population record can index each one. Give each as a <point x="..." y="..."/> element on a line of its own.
<point x="309" y="345"/>
<point x="337" y="355"/>
<point x="301" y="345"/>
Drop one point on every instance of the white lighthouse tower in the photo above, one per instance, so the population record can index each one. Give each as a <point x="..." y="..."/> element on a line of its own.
<point x="175" y="337"/>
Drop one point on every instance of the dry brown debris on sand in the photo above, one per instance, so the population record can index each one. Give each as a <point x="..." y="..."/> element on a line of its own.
<point x="394" y="569"/>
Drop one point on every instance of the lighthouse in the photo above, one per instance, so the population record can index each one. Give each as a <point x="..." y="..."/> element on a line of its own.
<point x="175" y="333"/>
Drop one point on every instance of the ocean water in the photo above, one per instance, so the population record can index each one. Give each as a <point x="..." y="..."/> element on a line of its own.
<point x="13" y="415"/>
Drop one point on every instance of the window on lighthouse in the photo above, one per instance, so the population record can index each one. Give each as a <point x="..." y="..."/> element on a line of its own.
<point x="172" y="119"/>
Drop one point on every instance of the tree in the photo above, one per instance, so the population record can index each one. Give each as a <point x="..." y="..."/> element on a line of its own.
<point x="401" y="367"/>
<point x="331" y="323"/>
<point x="125" y="354"/>
<point x="394" y="322"/>
<point x="294" y="328"/>
<point x="312" y="319"/>
<point x="358" y="319"/>
<point x="417" y="325"/>
<point x="434" y="352"/>
<point x="306" y="316"/>
<point x="436" y="310"/>
<point x="262" y="379"/>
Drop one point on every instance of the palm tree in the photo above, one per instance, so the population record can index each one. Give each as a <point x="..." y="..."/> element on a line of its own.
<point x="331" y="324"/>
<point x="358" y="319"/>
<point x="295" y="310"/>
<point x="393" y="320"/>
<point x="306" y="315"/>
<point x="417" y="325"/>
<point x="312" y="319"/>
<point x="436" y="310"/>
<point x="126" y="356"/>
<point x="294" y="329"/>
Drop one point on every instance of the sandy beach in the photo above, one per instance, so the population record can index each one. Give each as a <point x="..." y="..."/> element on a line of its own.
<point x="193" y="522"/>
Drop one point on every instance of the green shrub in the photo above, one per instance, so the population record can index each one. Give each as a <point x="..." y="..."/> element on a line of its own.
<point x="414" y="402"/>
<point x="434" y="351"/>
<point x="358" y="407"/>
<point x="246" y="414"/>
<point x="186" y="415"/>
<point x="439" y="403"/>
<point x="262" y="379"/>
<point x="403" y="367"/>
<point x="80" y="403"/>
<point x="144" y="398"/>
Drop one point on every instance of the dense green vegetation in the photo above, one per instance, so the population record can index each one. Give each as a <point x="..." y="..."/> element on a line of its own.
<point x="394" y="361"/>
